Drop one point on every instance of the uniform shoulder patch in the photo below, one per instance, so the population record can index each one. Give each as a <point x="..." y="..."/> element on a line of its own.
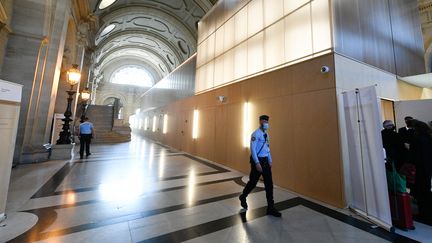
<point x="253" y="139"/>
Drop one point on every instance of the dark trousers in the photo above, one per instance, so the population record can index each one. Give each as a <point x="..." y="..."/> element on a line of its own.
<point x="85" y="140"/>
<point x="424" y="195"/>
<point x="254" y="178"/>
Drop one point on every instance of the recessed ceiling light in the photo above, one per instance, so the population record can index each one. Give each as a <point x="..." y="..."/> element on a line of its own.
<point x="106" y="3"/>
<point x="107" y="29"/>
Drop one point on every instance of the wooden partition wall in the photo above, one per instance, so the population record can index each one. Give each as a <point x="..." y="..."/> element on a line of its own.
<point x="304" y="131"/>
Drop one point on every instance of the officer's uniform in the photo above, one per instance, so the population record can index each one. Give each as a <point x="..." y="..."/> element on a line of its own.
<point x="260" y="153"/>
<point x="85" y="129"/>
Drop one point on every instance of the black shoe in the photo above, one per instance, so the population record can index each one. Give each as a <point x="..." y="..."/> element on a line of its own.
<point x="81" y="157"/>
<point x="243" y="202"/>
<point x="274" y="212"/>
<point x="88" y="154"/>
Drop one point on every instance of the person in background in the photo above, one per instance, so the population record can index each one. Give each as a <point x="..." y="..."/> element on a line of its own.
<point x="406" y="133"/>
<point x="393" y="144"/>
<point x="86" y="133"/>
<point x="421" y="155"/>
<point x="261" y="164"/>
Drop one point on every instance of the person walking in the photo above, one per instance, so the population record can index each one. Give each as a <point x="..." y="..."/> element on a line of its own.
<point x="261" y="164"/>
<point x="86" y="133"/>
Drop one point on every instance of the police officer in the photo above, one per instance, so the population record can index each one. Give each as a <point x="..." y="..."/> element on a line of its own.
<point x="86" y="133"/>
<point x="261" y="163"/>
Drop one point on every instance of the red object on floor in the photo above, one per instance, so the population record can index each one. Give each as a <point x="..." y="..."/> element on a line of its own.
<point x="400" y="205"/>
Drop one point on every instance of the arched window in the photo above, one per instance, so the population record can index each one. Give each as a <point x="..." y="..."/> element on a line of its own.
<point x="132" y="75"/>
<point x="106" y="3"/>
<point x="107" y="29"/>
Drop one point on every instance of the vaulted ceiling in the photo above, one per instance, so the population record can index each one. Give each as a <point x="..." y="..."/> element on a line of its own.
<point x="157" y="35"/>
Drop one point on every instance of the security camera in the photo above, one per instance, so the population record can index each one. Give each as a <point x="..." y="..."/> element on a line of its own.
<point x="325" y="69"/>
<point x="221" y="98"/>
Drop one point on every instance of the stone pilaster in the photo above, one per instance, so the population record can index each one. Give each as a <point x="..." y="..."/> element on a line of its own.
<point x="33" y="59"/>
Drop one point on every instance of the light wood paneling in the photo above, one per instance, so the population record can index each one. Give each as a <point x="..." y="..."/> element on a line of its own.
<point x="387" y="109"/>
<point x="304" y="131"/>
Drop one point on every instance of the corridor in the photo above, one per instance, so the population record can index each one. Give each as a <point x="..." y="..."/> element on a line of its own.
<point x="142" y="191"/>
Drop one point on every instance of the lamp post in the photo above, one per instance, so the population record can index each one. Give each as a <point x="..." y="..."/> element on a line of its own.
<point x="73" y="77"/>
<point x="85" y="96"/>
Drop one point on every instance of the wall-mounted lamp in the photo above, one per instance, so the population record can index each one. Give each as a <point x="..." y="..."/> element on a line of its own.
<point x="195" y="124"/>
<point x="246" y="124"/>
<point x="165" y="124"/>
<point x="154" y="123"/>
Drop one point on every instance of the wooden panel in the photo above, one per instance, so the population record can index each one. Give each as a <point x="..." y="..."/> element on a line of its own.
<point x="387" y="110"/>
<point x="303" y="127"/>
<point x="315" y="136"/>
<point x="206" y="133"/>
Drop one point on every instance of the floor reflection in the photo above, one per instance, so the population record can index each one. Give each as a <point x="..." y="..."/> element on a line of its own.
<point x="143" y="192"/>
<point x="191" y="186"/>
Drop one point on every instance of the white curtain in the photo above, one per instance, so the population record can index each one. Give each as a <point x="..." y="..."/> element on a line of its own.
<point x="369" y="193"/>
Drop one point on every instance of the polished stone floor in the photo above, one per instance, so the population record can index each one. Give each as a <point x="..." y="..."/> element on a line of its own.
<point x="145" y="192"/>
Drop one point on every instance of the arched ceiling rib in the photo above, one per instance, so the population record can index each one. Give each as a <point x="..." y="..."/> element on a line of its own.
<point x="162" y="33"/>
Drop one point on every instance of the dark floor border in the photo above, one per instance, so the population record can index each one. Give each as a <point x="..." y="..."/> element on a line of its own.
<point x="49" y="188"/>
<point x="230" y="221"/>
<point x="88" y="202"/>
<point x="48" y="215"/>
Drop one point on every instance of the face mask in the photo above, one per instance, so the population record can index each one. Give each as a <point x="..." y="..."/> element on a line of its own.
<point x="265" y="126"/>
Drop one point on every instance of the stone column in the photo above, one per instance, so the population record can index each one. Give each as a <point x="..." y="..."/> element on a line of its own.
<point x="33" y="58"/>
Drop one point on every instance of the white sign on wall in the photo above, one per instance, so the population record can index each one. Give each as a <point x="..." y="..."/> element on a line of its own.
<point x="10" y="91"/>
<point x="9" y="114"/>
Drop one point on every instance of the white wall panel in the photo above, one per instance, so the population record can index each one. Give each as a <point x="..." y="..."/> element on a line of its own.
<point x="257" y="35"/>
<point x="241" y="26"/>
<point x="298" y="34"/>
<point x="228" y="66"/>
<point x="273" y="11"/>
<point x="229" y="34"/>
<point x="219" y="71"/>
<point x="200" y="55"/>
<point x="202" y="31"/>
<point x="211" y="47"/>
<point x="204" y="55"/>
<point x="209" y="79"/>
<point x="255" y="49"/>
<point x="240" y="60"/>
<point x="200" y="79"/>
<point x="291" y="5"/>
<point x="219" y="13"/>
<point x="219" y="41"/>
<point x="255" y="17"/>
<point x="274" y="45"/>
<point x="321" y="25"/>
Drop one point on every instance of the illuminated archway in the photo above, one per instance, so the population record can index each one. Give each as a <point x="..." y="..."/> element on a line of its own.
<point x="132" y="75"/>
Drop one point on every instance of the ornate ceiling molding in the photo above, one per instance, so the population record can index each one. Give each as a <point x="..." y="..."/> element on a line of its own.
<point x="135" y="52"/>
<point x="141" y="38"/>
<point x="161" y="33"/>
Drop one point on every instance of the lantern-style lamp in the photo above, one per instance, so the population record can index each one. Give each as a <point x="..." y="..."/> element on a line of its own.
<point x="73" y="77"/>
<point x="85" y="94"/>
